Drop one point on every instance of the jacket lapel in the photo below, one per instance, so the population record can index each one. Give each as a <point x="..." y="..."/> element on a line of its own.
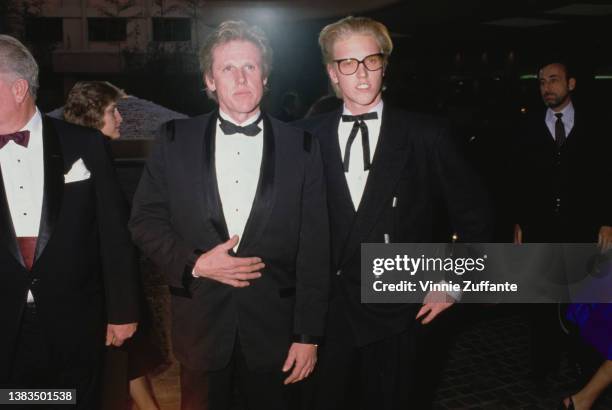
<point x="341" y="209"/>
<point x="7" y="231"/>
<point x="389" y="159"/>
<point x="209" y="172"/>
<point x="264" y="194"/>
<point x="53" y="190"/>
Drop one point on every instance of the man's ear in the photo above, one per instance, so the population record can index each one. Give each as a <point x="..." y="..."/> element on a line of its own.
<point x="20" y="89"/>
<point x="210" y="83"/>
<point x="572" y="84"/>
<point x="333" y="76"/>
<point x="265" y="81"/>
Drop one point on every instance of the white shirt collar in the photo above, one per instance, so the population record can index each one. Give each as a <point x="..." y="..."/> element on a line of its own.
<point x="568" y="113"/>
<point x="248" y="121"/>
<point x="35" y="122"/>
<point x="378" y="108"/>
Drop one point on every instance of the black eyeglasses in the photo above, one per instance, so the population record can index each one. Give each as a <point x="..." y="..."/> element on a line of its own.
<point x="373" y="62"/>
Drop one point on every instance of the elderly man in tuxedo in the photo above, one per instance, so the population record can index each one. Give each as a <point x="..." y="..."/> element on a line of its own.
<point x="232" y="206"/>
<point x="68" y="266"/>
<point x="387" y="170"/>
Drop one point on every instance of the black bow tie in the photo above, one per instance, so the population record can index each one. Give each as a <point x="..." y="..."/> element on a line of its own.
<point x="251" y="130"/>
<point x="20" y="137"/>
<point x="358" y="124"/>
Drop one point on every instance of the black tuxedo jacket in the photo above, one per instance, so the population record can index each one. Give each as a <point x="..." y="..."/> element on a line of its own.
<point x="85" y="271"/>
<point x="414" y="163"/>
<point x="562" y="195"/>
<point x="177" y="214"/>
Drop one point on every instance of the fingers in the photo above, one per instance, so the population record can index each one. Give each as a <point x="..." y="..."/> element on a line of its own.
<point x="233" y="282"/>
<point x="245" y="268"/>
<point x="237" y="280"/>
<point x="295" y="374"/>
<point x="117" y="334"/>
<point x="289" y="360"/>
<point x="230" y="243"/>
<point x="427" y="312"/>
<point x="424" y="309"/>
<point x="431" y="316"/>
<point x="302" y="370"/>
<point x="109" y="336"/>
<point x="306" y="370"/>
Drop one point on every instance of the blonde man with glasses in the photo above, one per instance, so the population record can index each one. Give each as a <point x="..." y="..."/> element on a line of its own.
<point x="387" y="171"/>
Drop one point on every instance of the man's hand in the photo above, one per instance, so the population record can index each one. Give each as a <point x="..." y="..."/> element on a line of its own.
<point x="217" y="264"/>
<point x="518" y="234"/>
<point x="117" y="334"/>
<point x="434" y="304"/>
<point x="605" y="238"/>
<point x="302" y="357"/>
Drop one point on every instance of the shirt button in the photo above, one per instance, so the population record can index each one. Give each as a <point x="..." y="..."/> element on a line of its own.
<point x="339" y="272"/>
<point x="20" y="186"/>
<point x="236" y="181"/>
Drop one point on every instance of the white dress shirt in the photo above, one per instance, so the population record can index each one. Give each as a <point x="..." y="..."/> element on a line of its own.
<point x="356" y="177"/>
<point x="23" y="177"/>
<point x="238" y="163"/>
<point x="567" y="119"/>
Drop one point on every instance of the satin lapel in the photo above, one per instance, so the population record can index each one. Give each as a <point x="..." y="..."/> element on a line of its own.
<point x="389" y="159"/>
<point x="264" y="195"/>
<point x="53" y="191"/>
<point x="341" y="209"/>
<point x="209" y="172"/>
<point x="7" y="231"/>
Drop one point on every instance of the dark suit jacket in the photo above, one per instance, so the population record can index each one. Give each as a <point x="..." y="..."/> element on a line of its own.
<point x="177" y="214"/>
<point x="84" y="258"/>
<point x="415" y="163"/>
<point x="562" y="196"/>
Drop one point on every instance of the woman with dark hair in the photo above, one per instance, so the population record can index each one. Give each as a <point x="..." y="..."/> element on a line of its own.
<point x="94" y="104"/>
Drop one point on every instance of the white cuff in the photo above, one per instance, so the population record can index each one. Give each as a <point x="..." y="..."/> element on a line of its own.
<point x="453" y="294"/>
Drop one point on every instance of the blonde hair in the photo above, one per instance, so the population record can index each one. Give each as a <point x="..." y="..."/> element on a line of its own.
<point x="349" y="26"/>
<point x="234" y="31"/>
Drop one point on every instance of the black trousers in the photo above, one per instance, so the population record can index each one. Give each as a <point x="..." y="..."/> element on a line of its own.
<point x="234" y="387"/>
<point x="378" y="376"/>
<point x="547" y="340"/>
<point x="34" y="368"/>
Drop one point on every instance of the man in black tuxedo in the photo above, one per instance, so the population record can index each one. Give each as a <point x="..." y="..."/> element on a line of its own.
<point x="387" y="170"/>
<point x="231" y="205"/>
<point x="68" y="266"/>
<point x="561" y="169"/>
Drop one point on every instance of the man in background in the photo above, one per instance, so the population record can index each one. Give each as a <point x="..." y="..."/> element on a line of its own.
<point x="561" y="170"/>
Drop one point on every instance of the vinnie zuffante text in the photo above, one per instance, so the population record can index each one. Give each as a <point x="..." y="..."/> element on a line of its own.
<point x="447" y="265"/>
